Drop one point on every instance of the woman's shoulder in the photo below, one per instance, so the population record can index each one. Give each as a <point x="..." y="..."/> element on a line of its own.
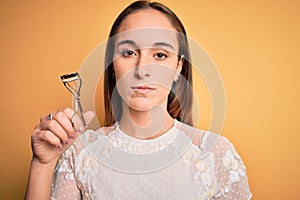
<point x="218" y="164"/>
<point x="205" y="140"/>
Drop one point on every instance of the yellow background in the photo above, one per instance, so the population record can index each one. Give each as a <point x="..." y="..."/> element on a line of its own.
<point x="255" y="45"/>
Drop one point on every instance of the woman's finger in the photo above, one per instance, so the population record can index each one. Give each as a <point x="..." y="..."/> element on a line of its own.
<point x="78" y="122"/>
<point x="56" y="129"/>
<point x="51" y="138"/>
<point x="64" y="119"/>
<point x="43" y="118"/>
<point x="48" y="136"/>
<point x="88" y="116"/>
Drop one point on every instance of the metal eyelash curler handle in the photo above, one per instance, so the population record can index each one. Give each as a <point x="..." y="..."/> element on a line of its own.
<point x="73" y="83"/>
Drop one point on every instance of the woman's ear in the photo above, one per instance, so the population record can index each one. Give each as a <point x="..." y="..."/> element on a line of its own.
<point x="179" y="67"/>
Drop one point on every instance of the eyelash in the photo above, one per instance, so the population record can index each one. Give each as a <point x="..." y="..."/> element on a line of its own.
<point x="125" y="53"/>
<point x="128" y="52"/>
<point x="161" y="54"/>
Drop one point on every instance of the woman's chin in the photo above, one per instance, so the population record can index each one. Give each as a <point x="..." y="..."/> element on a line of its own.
<point x="140" y="107"/>
<point x="141" y="104"/>
<point x="144" y="104"/>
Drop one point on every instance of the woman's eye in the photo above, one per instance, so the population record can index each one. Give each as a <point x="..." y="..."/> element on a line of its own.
<point x="160" y="55"/>
<point x="127" y="53"/>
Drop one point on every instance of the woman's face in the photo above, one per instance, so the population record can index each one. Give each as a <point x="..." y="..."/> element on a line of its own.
<point x="146" y="59"/>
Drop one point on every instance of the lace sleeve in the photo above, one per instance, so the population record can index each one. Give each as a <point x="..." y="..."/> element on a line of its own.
<point x="230" y="172"/>
<point x="64" y="184"/>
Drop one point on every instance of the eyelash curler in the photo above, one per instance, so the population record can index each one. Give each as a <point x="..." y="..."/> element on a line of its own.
<point x="73" y="83"/>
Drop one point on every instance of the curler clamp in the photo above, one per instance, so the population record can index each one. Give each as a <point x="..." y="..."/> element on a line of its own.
<point x="73" y="83"/>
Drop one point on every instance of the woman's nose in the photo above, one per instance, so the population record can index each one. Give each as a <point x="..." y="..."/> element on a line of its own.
<point x="142" y="69"/>
<point x="142" y="72"/>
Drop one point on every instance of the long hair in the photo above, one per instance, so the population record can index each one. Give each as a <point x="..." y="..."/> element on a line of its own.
<point x="180" y="100"/>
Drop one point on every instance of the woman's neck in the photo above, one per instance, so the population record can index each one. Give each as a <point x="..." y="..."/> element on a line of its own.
<point x="145" y="124"/>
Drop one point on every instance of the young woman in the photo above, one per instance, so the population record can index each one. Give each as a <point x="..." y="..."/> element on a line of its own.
<point x="148" y="148"/>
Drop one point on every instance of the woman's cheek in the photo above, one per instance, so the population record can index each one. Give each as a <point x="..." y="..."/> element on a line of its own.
<point x="123" y="67"/>
<point x="125" y="79"/>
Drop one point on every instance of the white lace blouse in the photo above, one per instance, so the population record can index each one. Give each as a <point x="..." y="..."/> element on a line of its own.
<point x="182" y="164"/>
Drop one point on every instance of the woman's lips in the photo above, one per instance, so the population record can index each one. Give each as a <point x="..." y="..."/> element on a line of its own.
<point x="142" y="89"/>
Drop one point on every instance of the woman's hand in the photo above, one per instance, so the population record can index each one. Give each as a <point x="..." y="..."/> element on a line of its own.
<point x="51" y="137"/>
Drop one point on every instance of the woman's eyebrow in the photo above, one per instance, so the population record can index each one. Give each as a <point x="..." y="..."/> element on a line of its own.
<point x="123" y="42"/>
<point x="163" y="44"/>
<point x="157" y="44"/>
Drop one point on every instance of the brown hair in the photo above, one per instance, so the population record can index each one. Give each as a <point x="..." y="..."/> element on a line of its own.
<point x="180" y="98"/>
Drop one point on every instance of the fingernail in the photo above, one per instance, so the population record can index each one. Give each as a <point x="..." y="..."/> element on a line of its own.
<point x="80" y="129"/>
<point x="59" y="146"/>
<point x="67" y="142"/>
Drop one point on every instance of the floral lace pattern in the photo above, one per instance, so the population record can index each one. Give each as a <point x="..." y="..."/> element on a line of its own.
<point x="133" y="145"/>
<point x="221" y="174"/>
